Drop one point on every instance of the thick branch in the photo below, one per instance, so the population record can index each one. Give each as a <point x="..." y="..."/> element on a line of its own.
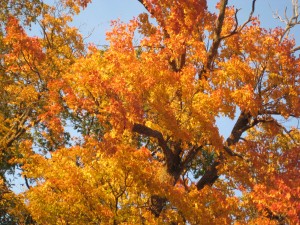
<point x="144" y="4"/>
<point x="216" y="39"/>
<point x="295" y="49"/>
<point x="144" y="130"/>
<point x="157" y="203"/>
<point x="210" y="176"/>
<point x="217" y="34"/>
<point x="241" y="125"/>
<point x="172" y="160"/>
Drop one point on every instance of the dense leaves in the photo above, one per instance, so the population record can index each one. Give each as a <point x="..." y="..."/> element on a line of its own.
<point x="128" y="134"/>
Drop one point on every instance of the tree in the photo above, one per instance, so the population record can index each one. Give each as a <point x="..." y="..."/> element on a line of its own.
<point x="149" y="150"/>
<point x="30" y="71"/>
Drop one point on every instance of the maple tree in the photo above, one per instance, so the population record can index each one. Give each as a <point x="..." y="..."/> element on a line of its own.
<point x="148" y="149"/>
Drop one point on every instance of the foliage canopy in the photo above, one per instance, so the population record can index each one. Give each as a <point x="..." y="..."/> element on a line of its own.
<point x="147" y="148"/>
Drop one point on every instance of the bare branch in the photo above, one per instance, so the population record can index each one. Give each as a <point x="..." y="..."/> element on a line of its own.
<point x="289" y="22"/>
<point x="250" y="15"/>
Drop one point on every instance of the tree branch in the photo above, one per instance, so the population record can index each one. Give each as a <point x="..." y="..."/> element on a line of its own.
<point x="217" y="34"/>
<point x="160" y="22"/>
<point x="144" y="130"/>
<point x="238" y="29"/>
<point x="157" y="203"/>
<point x="241" y="125"/>
<point x="171" y="159"/>
<point x="210" y="176"/>
<point x="16" y="130"/>
<point x="275" y="112"/>
<point x="26" y="182"/>
<point x="231" y="152"/>
<point x="289" y="22"/>
<point x="143" y="3"/>
<point x="295" y="49"/>
<point x="250" y="15"/>
<point x="190" y="155"/>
